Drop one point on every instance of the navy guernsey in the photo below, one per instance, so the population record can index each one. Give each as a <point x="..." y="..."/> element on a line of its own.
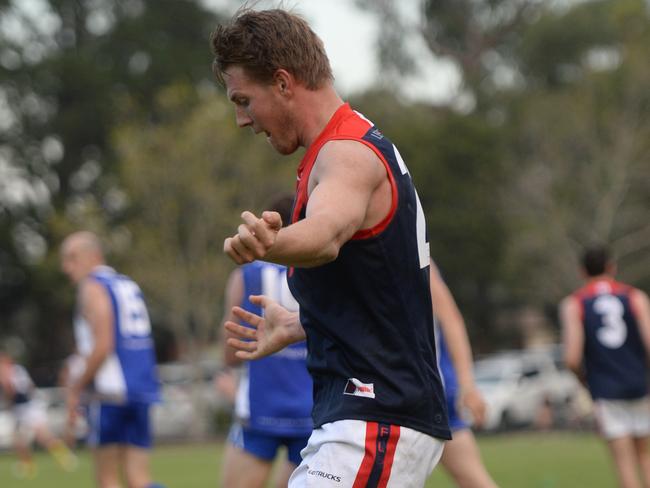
<point x="368" y="314"/>
<point x="614" y="355"/>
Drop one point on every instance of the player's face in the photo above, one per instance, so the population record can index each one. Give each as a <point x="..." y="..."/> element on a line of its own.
<point x="261" y="107"/>
<point x="73" y="263"/>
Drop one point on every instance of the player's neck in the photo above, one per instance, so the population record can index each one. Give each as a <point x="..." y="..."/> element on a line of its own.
<point x="600" y="277"/>
<point x="318" y="108"/>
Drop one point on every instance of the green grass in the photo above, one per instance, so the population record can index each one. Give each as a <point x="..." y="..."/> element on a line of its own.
<point x="542" y="460"/>
<point x="527" y="460"/>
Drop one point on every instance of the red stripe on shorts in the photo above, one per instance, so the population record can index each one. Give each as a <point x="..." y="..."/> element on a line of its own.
<point x="369" y="457"/>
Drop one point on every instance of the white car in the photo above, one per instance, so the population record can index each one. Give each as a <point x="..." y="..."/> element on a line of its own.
<point x="518" y="385"/>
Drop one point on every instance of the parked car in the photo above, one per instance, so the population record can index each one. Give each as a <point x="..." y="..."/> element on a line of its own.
<point x="518" y="385"/>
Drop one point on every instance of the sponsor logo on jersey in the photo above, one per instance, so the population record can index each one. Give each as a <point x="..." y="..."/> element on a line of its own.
<point x="322" y="474"/>
<point x="357" y="388"/>
<point x="377" y="134"/>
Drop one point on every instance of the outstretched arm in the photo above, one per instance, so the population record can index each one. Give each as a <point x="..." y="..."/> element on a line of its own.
<point x="272" y="333"/>
<point x="455" y="333"/>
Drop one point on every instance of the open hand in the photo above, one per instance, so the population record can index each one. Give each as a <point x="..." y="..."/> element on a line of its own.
<point x="276" y="330"/>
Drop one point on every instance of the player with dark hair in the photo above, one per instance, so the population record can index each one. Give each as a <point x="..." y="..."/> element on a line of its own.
<point x="273" y="400"/>
<point x="606" y="327"/>
<point x="358" y="255"/>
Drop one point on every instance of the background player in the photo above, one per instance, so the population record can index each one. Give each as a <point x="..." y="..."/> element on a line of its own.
<point x="113" y="336"/>
<point x="274" y="398"/>
<point x="30" y="417"/>
<point x="606" y="326"/>
<point x="359" y="261"/>
<point x="461" y="457"/>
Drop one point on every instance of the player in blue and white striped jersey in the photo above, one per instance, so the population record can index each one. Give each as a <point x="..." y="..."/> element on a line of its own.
<point x="113" y="335"/>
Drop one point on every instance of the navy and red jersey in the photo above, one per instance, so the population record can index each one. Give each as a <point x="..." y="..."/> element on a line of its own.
<point x="615" y="358"/>
<point x="368" y="314"/>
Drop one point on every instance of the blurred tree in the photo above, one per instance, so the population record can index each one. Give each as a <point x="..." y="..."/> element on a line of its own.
<point x="562" y="89"/>
<point x="64" y="64"/>
<point x="582" y="146"/>
<point x="478" y="35"/>
<point x="188" y="177"/>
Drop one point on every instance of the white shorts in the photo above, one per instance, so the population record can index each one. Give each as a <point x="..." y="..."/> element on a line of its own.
<point x="359" y="454"/>
<point x="29" y="416"/>
<point x="623" y="418"/>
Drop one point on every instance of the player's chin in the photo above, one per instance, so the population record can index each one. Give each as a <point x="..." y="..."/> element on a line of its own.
<point x="283" y="148"/>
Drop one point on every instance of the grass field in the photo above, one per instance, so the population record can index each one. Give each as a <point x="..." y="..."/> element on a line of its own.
<point x="522" y="460"/>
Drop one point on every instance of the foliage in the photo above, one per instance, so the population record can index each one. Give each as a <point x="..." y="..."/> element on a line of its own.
<point x="561" y="89"/>
<point x="64" y="66"/>
<point x="583" y="160"/>
<point x="188" y="177"/>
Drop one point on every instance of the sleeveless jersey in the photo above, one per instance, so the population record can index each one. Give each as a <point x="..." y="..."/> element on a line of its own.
<point x="614" y="355"/>
<point x="368" y="313"/>
<point x="129" y="372"/>
<point x="275" y="393"/>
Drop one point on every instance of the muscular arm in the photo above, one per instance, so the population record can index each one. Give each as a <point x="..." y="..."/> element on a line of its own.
<point x="234" y="296"/>
<point x="98" y="312"/>
<point x="641" y="306"/>
<point x="573" y="335"/>
<point x="345" y="177"/>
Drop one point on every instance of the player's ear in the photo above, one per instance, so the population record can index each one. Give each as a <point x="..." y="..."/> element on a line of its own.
<point x="284" y="81"/>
